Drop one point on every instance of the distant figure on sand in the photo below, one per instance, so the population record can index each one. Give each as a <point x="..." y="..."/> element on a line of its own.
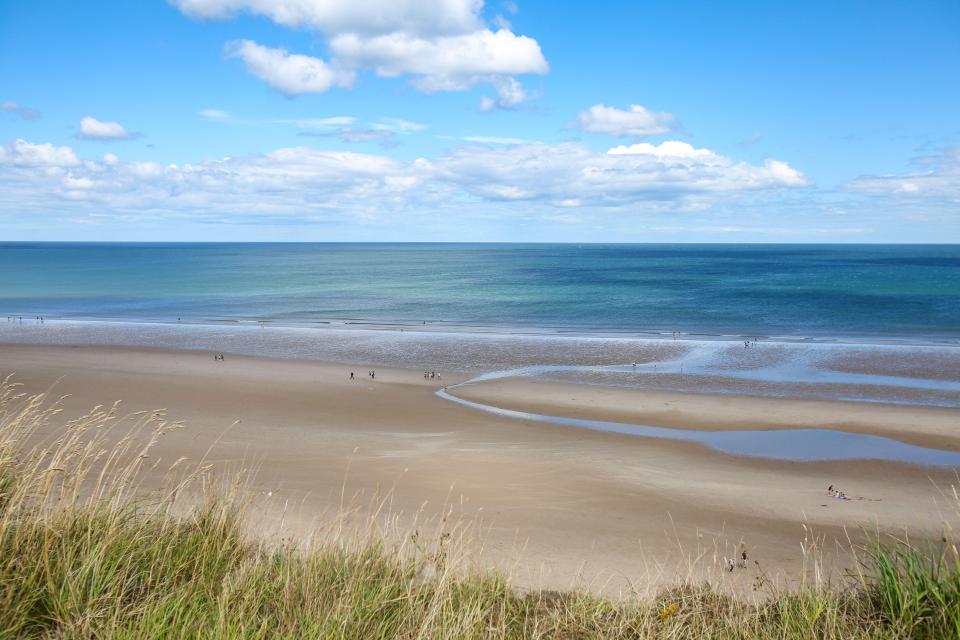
<point x="351" y="375"/>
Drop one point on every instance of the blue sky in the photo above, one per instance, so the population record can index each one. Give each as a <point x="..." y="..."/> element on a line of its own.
<point x="466" y="121"/>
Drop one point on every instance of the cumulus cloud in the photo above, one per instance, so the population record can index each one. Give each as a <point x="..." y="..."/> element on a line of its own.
<point x="306" y="181"/>
<point x="372" y="17"/>
<point x="20" y="153"/>
<point x="93" y="129"/>
<point x="288" y="73"/>
<point x="443" y="45"/>
<point x="24" y="112"/>
<point x="446" y="63"/>
<point x="673" y="150"/>
<point x="510" y="94"/>
<point x="634" y="122"/>
<point x="569" y="174"/>
<point x="939" y="179"/>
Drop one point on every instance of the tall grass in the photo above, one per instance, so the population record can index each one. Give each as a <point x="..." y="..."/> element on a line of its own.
<point x="87" y="552"/>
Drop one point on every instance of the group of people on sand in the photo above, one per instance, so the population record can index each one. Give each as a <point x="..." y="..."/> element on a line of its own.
<point x="835" y="493"/>
<point x="218" y="357"/>
<point x="20" y="319"/>
<point x="733" y="563"/>
<point x="431" y="375"/>
<point x="370" y="374"/>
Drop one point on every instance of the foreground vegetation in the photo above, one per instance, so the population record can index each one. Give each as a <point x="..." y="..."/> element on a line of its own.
<point x="86" y="552"/>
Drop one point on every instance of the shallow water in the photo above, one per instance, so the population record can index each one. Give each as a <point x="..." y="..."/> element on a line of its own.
<point x="797" y="445"/>
<point x="899" y="373"/>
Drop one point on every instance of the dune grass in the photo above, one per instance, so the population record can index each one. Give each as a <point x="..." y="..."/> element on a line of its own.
<point x="86" y="552"/>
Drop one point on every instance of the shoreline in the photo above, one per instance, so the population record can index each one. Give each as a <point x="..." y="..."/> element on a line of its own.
<point x="464" y="329"/>
<point x="557" y="507"/>
<point x="886" y="374"/>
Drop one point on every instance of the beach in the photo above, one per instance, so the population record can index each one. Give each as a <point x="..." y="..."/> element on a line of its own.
<point x="551" y="506"/>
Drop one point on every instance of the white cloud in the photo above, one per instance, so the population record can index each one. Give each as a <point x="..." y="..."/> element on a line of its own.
<point x="24" y="112"/>
<point x="397" y="125"/>
<point x="446" y="63"/>
<point x="510" y="94"/>
<point x="443" y="44"/>
<point x="320" y="123"/>
<point x="383" y="132"/>
<point x="366" y="135"/>
<point x="93" y="129"/>
<point x="635" y="122"/>
<point x="672" y="150"/>
<point x="213" y="114"/>
<point x="495" y="140"/>
<point x="218" y="115"/>
<point x="941" y="179"/>
<point x="20" y="153"/>
<point x="571" y="173"/>
<point x="289" y="73"/>
<point x="524" y="178"/>
<point x="371" y="17"/>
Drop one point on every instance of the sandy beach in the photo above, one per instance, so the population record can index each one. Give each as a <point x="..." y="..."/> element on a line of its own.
<point x="554" y="506"/>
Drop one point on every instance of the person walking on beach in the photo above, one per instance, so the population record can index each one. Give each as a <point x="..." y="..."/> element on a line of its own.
<point x="351" y="375"/>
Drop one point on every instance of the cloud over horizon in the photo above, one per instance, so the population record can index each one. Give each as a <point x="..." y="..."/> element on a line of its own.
<point x="940" y="179"/>
<point x="307" y="182"/>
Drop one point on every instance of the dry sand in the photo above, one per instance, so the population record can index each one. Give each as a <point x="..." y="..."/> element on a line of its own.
<point x="557" y="506"/>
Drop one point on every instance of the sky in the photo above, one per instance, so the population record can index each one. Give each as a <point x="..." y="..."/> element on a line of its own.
<point x="464" y="120"/>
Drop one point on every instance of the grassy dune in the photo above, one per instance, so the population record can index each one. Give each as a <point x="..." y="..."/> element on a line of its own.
<point x="86" y="552"/>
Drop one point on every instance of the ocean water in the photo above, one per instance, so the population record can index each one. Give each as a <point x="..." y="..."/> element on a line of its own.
<point x="797" y="291"/>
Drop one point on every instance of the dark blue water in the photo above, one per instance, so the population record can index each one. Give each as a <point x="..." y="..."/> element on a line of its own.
<point x="786" y="290"/>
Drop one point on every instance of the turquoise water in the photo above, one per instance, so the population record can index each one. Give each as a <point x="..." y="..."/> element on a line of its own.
<point x="786" y="290"/>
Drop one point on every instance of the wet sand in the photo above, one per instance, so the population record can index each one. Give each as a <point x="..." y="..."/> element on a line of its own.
<point x="557" y="507"/>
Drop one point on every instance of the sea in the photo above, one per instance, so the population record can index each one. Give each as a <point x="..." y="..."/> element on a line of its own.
<point x="867" y="323"/>
<point x="882" y="292"/>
